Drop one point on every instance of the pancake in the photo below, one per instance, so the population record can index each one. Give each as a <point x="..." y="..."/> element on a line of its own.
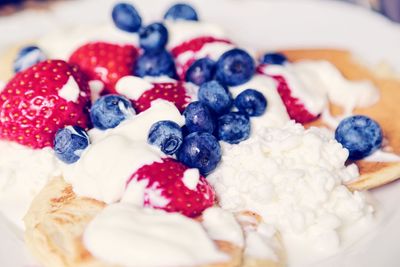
<point x="56" y="221"/>
<point x="385" y="112"/>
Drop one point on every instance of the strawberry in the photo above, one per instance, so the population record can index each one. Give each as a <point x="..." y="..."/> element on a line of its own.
<point x="165" y="180"/>
<point x="294" y="106"/>
<point x="33" y="106"/>
<point x="195" y="44"/>
<point x="174" y="92"/>
<point x="105" y="62"/>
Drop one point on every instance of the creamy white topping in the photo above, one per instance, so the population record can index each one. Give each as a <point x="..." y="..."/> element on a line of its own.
<point x="70" y="91"/>
<point x="180" y="31"/>
<point x="293" y="178"/>
<point x="191" y="178"/>
<point x="129" y="236"/>
<point x="261" y="242"/>
<point x="23" y="173"/>
<point x="275" y="114"/>
<point x="62" y="43"/>
<point x="222" y="225"/>
<point x="115" y="154"/>
<point x="96" y="86"/>
<point x="383" y="156"/>
<point x="132" y="87"/>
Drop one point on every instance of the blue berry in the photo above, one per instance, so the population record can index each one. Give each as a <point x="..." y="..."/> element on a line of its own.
<point x="167" y="135"/>
<point x="201" y="71"/>
<point x="126" y="17"/>
<point x="200" y="150"/>
<point x="235" y="67"/>
<point x="215" y="96"/>
<point x="153" y="37"/>
<point x="251" y="102"/>
<point x="360" y="135"/>
<point x="273" y="58"/>
<point x="110" y="110"/>
<point x="27" y="57"/>
<point x="155" y="64"/>
<point x="233" y="127"/>
<point x="198" y="118"/>
<point x="69" y="143"/>
<point x="181" y="12"/>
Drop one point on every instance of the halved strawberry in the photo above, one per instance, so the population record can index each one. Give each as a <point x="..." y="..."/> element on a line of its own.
<point x="174" y="92"/>
<point x="295" y="108"/>
<point x="165" y="180"/>
<point x="40" y="100"/>
<point x="105" y="62"/>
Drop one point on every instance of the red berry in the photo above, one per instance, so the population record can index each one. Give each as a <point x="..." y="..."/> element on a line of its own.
<point x="174" y="92"/>
<point x="31" y="109"/>
<point x="166" y="180"/>
<point x="294" y="106"/>
<point x="105" y="62"/>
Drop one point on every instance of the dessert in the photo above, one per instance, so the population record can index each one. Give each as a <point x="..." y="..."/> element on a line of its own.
<point x="175" y="140"/>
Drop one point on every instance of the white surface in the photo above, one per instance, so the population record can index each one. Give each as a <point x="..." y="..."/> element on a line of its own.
<point x="261" y="24"/>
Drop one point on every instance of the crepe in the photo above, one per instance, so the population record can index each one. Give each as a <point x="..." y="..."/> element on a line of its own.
<point x="56" y="221"/>
<point x="385" y="112"/>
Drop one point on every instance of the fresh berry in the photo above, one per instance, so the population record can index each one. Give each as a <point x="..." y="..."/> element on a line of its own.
<point x="173" y="92"/>
<point x="234" y="67"/>
<point x="110" y="110"/>
<point x="27" y="57"/>
<point x="360" y="135"/>
<point x="233" y="127"/>
<point x="273" y="58"/>
<point x="167" y="135"/>
<point x="181" y="12"/>
<point x="199" y="118"/>
<point x="216" y="97"/>
<point x="126" y="17"/>
<point x="42" y="99"/>
<point x="105" y="62"/>
<point x="200" y="150"/>
<point x="166" y="188"/>
<point x="70" y="142"/>
<point x="294" y="106"/>
<point x="155" y="64"/>
<point x="153" y="37"/>
<point x="201" y="71"/>
<point x="251" y="102"/>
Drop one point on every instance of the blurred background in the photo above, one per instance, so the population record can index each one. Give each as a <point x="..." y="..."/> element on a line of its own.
<point x="389" y="8"/>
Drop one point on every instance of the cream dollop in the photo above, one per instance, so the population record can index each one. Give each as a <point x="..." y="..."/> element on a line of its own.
<point x="126" y="235"/>
<point x="115" y="154"/>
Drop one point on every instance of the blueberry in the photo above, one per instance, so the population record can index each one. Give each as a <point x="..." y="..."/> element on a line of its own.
<point x="360" y="135"/>
<point x="108" y="111"/>
<point x="234" y="67"/>
<point x="251" y="102"/>
<point x="201" y="71"/>
<point x="215" y="96"/>
<point x="155" y="64"/>
<point x="181" y="12"/>
<point x="27" y="57"/>
<point x="233" y="127"/>
<point x="167" y="135"/>
<point x="198" y="118"/>
<point x="126" y="17"/>
<point x="273" y="58"/>
<point x="69" y="143"/>
<point x="153" y="37"/>
<point x="200" y="150"/>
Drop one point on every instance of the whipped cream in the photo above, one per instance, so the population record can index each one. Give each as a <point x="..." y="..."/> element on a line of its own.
<point x="115" y="154"/>
<point x="23" y="173"/>
<point x="222" y="225"/>
<point x="275" y="114"/>
<point x="261" y="242"/>
<point x="180" y="31"/>
<point x="70" y="91"/>
<point x="382" y="156"/>
<point x="126" y="235"/>
<point x="61" y="44"/>
<point x="294" y="179"/>
<point x="132" y="87"/>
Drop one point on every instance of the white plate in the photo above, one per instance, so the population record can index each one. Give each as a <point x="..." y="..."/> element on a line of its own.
<point x="263" y="25"/>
